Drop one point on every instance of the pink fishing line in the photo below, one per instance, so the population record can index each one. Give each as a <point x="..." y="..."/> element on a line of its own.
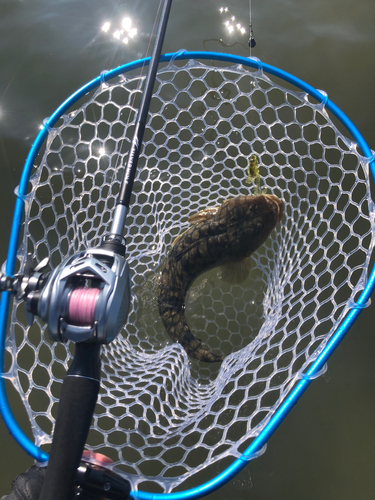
<point x="82" y="305"/>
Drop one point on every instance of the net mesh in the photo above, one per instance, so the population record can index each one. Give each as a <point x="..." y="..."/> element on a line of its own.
<point x="162" y="416"/>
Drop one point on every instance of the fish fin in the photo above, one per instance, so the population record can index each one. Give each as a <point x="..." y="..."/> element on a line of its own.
<point x="203" y="215"/>
<point x="236" y="271"/>
<point x="178" y="237"/>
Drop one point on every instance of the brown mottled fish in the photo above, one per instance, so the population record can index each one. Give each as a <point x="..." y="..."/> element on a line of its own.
<point x="221" y="236"/>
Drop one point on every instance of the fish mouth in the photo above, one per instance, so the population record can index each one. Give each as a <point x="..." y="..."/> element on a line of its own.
<point x="279" y="205"/>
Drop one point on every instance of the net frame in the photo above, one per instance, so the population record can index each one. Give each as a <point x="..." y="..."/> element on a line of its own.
<point x="257" y="445"/>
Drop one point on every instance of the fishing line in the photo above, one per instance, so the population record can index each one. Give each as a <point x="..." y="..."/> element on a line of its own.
<point x="222" y="43"/>
<point x="81" y="308"/>
<point x="252" y="41"/>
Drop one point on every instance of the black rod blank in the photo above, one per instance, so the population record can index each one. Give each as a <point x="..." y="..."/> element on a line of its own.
<point x="140" y="123"/>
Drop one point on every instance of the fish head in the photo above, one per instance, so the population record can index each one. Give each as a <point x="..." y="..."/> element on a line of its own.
<point x="249" y="221"/>
<point x="277" y="204"/>
<point x="244" y="209"/>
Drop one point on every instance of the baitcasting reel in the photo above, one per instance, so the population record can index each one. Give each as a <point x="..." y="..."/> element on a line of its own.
<point x="86" y="298"/>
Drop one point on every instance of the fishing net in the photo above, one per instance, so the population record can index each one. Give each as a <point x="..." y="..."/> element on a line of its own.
<point x="161" y="416"/>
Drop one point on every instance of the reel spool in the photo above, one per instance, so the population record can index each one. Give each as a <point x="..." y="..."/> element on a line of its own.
<point x="161" y="417"/>
<point x="81" y="306"/>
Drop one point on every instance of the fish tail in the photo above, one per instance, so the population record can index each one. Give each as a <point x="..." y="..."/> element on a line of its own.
<point x="174" y="322"/>
<point x="202" y="353"/>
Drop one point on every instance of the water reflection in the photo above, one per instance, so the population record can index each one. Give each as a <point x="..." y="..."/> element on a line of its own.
<point x="126" y="32"/>
<point x="231" y="24"/>
<point x="233" y="27"/>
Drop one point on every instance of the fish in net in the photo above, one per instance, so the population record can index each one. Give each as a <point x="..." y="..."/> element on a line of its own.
<point x="161" y="416"/>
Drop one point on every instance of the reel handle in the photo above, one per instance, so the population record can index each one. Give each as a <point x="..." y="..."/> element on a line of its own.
<point x="76" y="407"/>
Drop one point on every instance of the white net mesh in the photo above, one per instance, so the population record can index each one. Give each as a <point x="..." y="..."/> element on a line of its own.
<point x="161" y="416"/>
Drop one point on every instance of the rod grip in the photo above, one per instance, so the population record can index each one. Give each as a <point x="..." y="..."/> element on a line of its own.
<point x="77" y="403"/>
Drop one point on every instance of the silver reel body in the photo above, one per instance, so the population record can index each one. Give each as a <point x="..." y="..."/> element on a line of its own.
<point x="103" y="270"/>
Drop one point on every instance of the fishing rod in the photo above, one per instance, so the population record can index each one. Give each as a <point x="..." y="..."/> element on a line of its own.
<point x="86" y="300"/>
